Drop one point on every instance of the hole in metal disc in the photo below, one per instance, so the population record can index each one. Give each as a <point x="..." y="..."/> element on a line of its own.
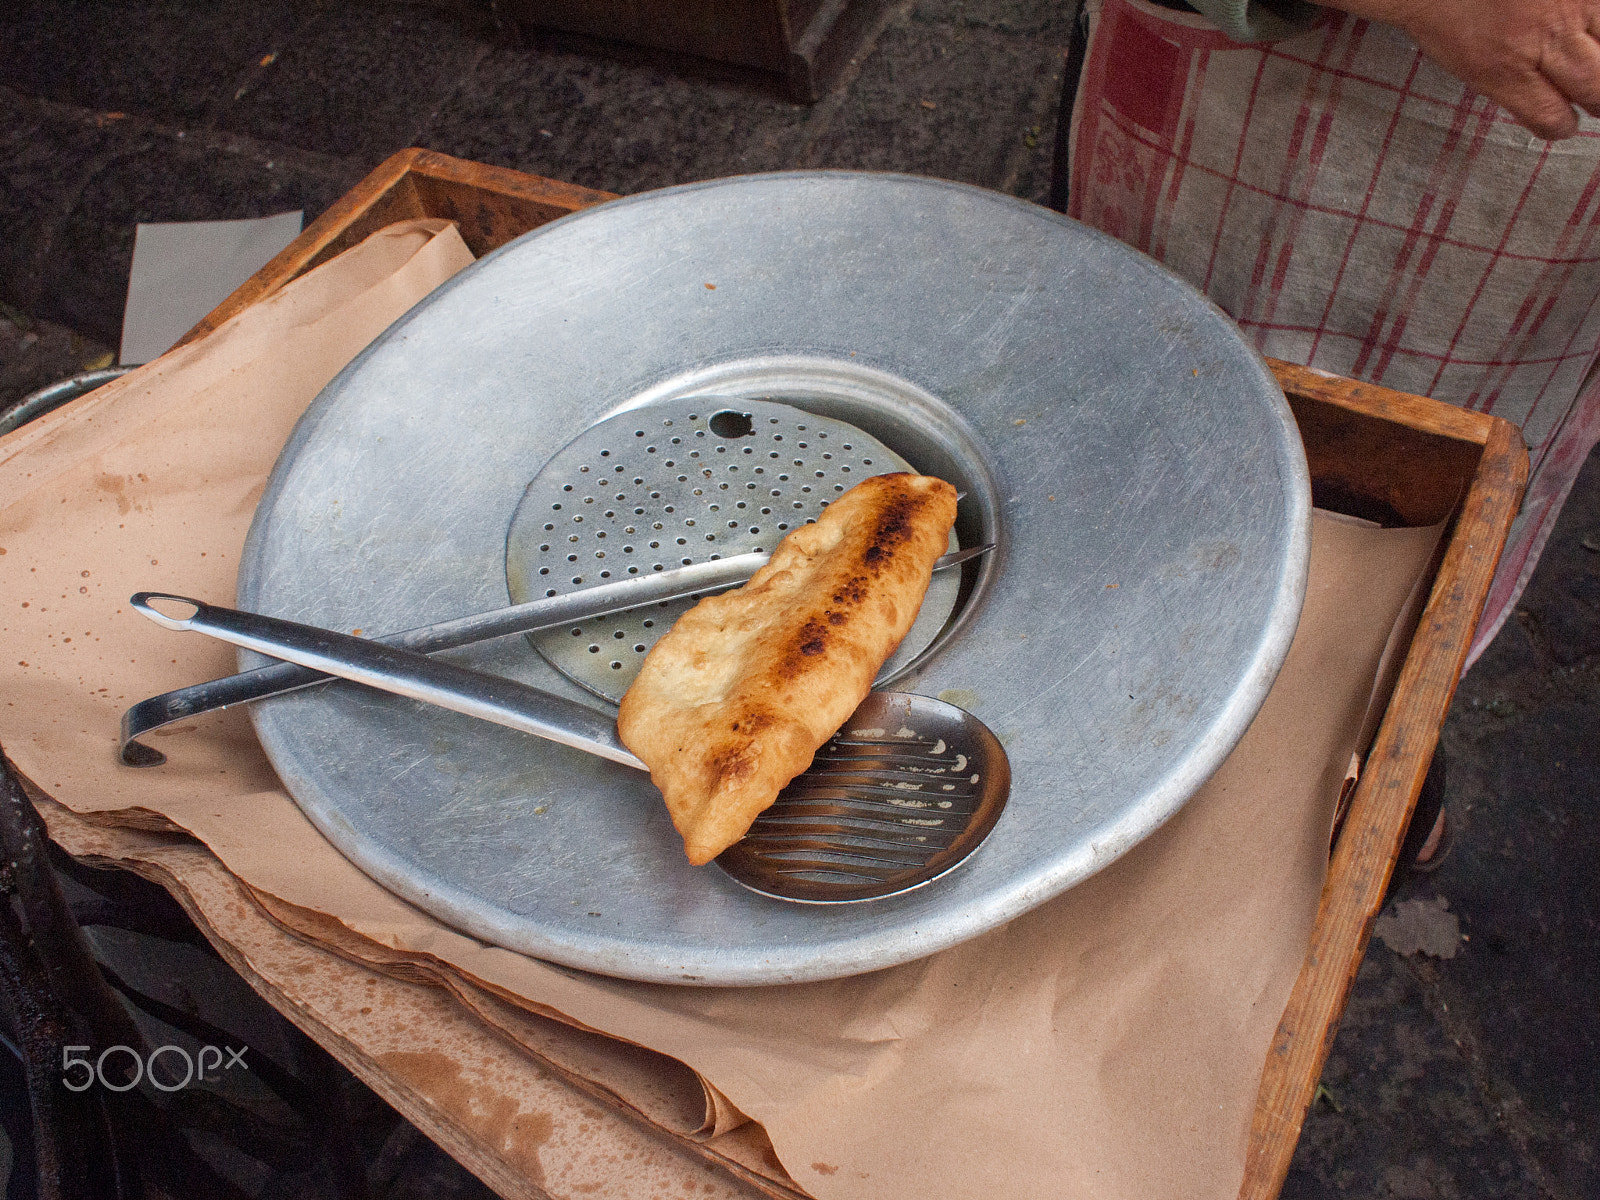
<point x="730" y="424"/>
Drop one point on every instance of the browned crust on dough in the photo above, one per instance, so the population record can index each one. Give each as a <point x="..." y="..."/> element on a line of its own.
<point x="733" y="702"/>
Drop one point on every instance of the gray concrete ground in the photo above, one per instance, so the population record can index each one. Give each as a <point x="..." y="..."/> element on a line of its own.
<point x="1467" y="1068"/>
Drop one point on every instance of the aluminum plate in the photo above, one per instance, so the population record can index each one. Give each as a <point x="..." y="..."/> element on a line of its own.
<point x="1131" y="456"/>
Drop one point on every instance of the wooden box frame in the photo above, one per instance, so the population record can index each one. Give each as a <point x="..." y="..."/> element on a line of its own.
<point x="1418" y="458"/>
<point x="801" y="44"/>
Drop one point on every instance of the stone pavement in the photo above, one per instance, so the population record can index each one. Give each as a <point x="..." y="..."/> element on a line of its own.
<point x="186" y="110"/>
<point x="1467" y="1068"/>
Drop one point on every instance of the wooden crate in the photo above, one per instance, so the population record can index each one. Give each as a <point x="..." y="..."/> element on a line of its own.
<point x="1369" y="449"/>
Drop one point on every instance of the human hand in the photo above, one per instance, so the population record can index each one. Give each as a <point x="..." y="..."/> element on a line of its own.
<point x="1535" y="58"/>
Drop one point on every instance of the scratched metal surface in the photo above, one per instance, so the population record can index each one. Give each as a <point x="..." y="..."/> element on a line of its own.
<point x="1132" y="456"/>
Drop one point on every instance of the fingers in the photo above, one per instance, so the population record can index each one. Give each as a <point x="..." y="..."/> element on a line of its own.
<point x="1570" y="61"/>
<point x="1541" y="107"/>
<point x="1516" y="85"/>
<point x="1535" y="58"/>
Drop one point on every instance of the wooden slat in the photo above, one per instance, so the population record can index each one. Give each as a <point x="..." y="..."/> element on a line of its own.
<point x="1398" y="408"/>
<point x="1370" y="842"/>
<point x="1378" y="453"/>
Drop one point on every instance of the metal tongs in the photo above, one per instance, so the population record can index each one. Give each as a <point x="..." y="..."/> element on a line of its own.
<point x="149" y="715"/>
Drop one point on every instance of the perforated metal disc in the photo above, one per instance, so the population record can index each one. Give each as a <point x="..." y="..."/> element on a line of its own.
<point x="680" y="482"/>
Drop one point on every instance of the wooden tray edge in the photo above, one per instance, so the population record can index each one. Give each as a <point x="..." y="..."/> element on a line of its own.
<point x="1417" y="412"/>
<point x="1364" y="856"/>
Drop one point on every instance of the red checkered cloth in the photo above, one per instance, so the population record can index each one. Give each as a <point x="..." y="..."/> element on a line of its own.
<point x="1356" y="208"/>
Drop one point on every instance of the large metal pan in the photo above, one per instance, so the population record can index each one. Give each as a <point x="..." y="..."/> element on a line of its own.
<point x="1131" y="456"/>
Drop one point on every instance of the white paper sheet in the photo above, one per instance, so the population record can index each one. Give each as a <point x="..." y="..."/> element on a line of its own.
<point x="184" y="269"/>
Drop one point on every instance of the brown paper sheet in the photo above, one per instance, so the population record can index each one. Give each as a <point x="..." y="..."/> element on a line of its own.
<point x="1108" y="1044"/>
<point x="530" y="1128"/>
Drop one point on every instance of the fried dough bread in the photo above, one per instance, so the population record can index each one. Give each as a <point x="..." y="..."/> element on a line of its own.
<point x="735" y="700"/>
